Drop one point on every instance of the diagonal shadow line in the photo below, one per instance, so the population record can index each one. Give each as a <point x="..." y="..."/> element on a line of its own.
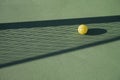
<point x="30" y="24"/>
<point x="58" y="52"/>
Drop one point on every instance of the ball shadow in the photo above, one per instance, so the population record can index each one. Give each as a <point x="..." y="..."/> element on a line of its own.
<point x="96" y="31"/>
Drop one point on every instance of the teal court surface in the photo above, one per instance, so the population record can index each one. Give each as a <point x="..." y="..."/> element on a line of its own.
<point x="39" y="40"/>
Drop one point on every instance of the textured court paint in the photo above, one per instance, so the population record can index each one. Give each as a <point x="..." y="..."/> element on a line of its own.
<point x="95" y="63"/>
<point x="32" y="10"/>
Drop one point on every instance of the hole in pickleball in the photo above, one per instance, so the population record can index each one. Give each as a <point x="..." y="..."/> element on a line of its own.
<point x="96" y="31"/>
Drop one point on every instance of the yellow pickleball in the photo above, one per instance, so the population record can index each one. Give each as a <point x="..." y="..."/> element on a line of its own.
<point x="82" y="29"/>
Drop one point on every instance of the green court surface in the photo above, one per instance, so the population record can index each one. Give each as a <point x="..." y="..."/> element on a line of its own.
<point x="39" y="40"/>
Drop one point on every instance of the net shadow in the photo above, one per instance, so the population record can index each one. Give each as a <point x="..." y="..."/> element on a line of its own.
<point x="60" y="22"/>
<point x="28" y="41"/>
<point x="58" y="52"/>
